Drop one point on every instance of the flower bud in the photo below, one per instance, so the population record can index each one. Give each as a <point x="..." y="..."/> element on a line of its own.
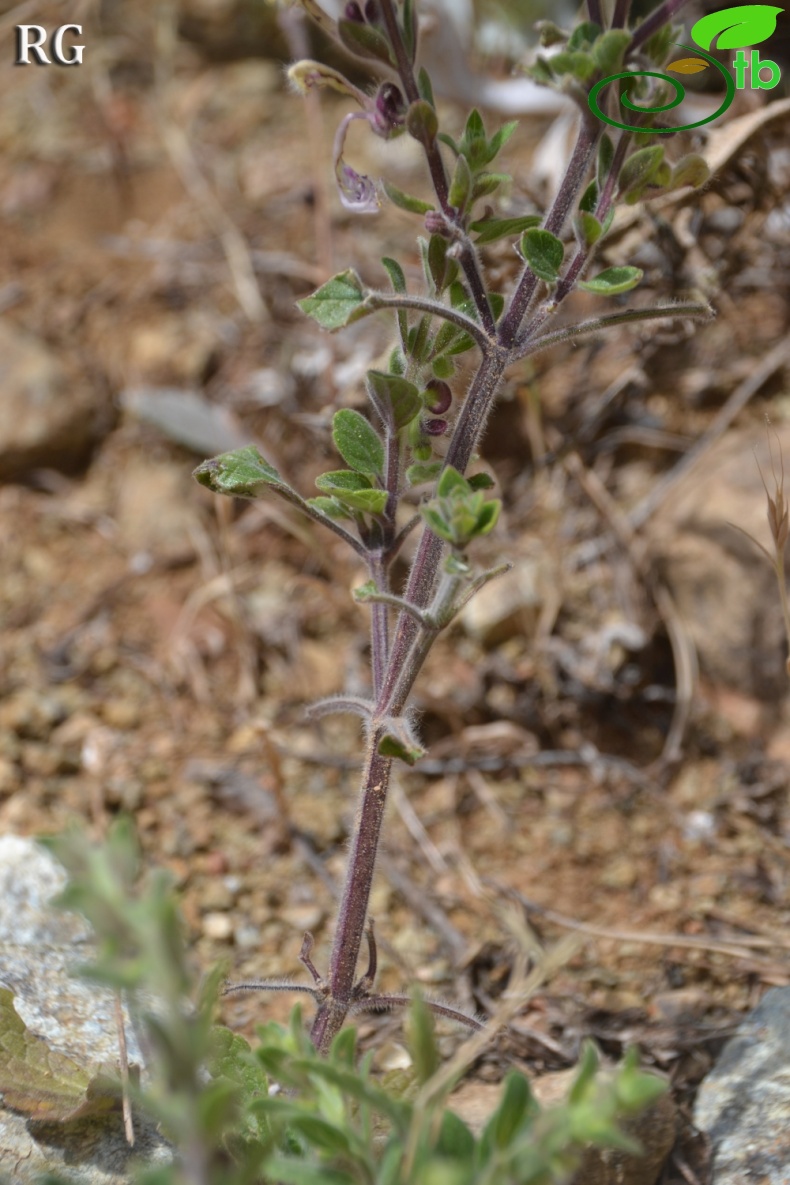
<point x="440" y="397"/>
<point x="353" y="12"/>
<point x="389" y="110"/>
<point x="371" y="11"/>
<point x="436" y="224"/>
<point x="434" y="427"/>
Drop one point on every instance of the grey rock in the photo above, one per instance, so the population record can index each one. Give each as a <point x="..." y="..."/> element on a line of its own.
<point x="39" y="947"/>
<point x="51" y="417"/>
<point x="744" y="1103"/>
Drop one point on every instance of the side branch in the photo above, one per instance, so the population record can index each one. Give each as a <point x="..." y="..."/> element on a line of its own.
<point x="524" y="349"/>
<point x="423" y="304"/>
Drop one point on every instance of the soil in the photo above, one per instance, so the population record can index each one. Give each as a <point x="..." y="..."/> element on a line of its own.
<point x="159" y="645"/>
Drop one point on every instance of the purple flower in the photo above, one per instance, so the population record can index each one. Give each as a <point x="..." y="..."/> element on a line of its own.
<point x="440" y="395"/>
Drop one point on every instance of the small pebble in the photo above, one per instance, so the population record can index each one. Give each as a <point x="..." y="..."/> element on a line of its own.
<point x="218" y="926"/>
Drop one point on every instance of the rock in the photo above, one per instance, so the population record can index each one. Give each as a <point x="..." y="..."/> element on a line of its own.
<point x="744" y="1103"/>
<point x="186" y="417"/>
<point x="654" y="1128"/>
<point x="38" y="948"/>
<point x="51" y="418"/>
<point x="724" y="590"/>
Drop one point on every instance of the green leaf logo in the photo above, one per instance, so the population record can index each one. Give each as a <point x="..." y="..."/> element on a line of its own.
<point x="736" y="28"/>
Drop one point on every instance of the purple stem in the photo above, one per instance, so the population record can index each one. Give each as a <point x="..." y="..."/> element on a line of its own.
<point x="621" y="11"/>
<point x="575" y="176"/>
<point x="661" y="16"/>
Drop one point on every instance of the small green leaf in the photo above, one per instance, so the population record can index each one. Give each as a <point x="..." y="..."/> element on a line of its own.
<point x="639" y="168"/>
<point x="544" y="253"/>
<point x="486" y="183"/>
<point x="358" y="442"/>
<point x="336" y="303"/>
<point x="461" y="184"/>
<point x="488" y="517"/>
<point x="396" y="274"/>
<point x="588" y="229"/>
<point x="242" y="473"/>
<point x="490" y="229"/>
<point x="421" y="122"/>
<point x="690" y="170"/>
<point x="422" y="471"/>
<point x="353" y="490"/>
<point x="441" y="270"/>
<point x="451" y="481"/>
<point x="584" y="35"/>
<point x="421" y="1039"/>
<point x="364" y="41"/>
<point x="613" y="281"/>
<point x="608" y="50"/>
<point x="390" y="746"/>
<point x="500" y="139"/>
<point x="481" y="481"/>
<point x="585" y="1073"/>
<point x="579" y="66"/>
<point x="328" y="506"/>
<point x="589" y="199"/>
<point x="516" y="1104"/>
<point x="443" y="368"/>
<point x="396" y="399"/>
<point x="363" y="592"/>
<point x="405" y="201"/>
<point x="550" y="34"/>
<point x="424" y="86"/>
<point x="745" y="25"/>
<point x="409" y="23"/>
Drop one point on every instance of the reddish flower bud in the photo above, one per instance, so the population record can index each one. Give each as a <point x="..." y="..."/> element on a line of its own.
<point x="436" y="224"/>
<point x="440" y="397"/>
<point x="389" y="111"/>
<point x="353" y="12"/>
<point x="434" y="427"/>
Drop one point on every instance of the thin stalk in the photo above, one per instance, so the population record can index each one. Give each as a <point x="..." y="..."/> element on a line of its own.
<point x="575" y="176"/>
<point x="596" y="324"/>
<point x="468" y="259"/>
<point x="661" y="16"/>
<point x="356" y="894"/>
<point x="379" y="622"/>
<point x="621" y="12"/>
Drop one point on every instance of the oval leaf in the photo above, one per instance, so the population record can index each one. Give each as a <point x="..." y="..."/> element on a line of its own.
<point x="358" y="443"/>
<point x="613" y="281"/>
<point x="396" y="399"/>
<point x="736" y="28"/>
<point x="405" y="201"/>
<point x="688" y="65"/>
<point x="364" y="41"/>
<point x="241" y="473"/>
<point x="544" y="253"/>
<point x="490" y="229"/>
<point x="336" y="303"/>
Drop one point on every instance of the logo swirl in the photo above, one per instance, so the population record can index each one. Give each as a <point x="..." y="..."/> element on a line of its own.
<point x="680" y="94"/>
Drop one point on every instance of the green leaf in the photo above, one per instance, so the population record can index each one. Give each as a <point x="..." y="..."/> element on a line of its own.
<point x="358" y="442"/>
<point x="488" y="517"/>
<point x="242" y="473"/>
<point x="550" y="34"/>
<point x="443" y="367"/>
<point x="461" y="184"/>
<point x="421" y="122"/>
<point x="690" y="170"/>
<point x="450" y="482"/>
<point x="500" y="139"/>
<point x="43" y="1083"/>
<point x="456" y="1141"/>
<point x="336" y="303"/>
<point x="587" y="227"/>
<point x="422" y="471"/>
<point x="321" y="1134"/>
<point x="362" y="594"/>
<point x="544" y="253"/>
<point x="441" y="270"/>
<point x="481" y="481"/>
<point x="580" y="66"/>
<point x="396" y="399"/>
<point x="353" y="490"/>
<point x="396" y="275"/>
<point x="424" y="86"/>
<point x="486" y="183"/>
<point x="589" y="199"/>
<point x="405" y="201"/>
<point x="364" y="41"/>
<point x="608" y="50"/>
<point x="585" y="1073"/>
<point x="399" y="749"/>
<point x="409" y="24"/>
<point x="639" y="168"/>
<point x="328" y="506"/>
<point x="516" y="1104"/>
<point x="613" y="281"/>
<point x="490" y="229"/>
<point x="584" y="35"/>
<point x="745" y="25"/>
<point x="421" y="1039"/>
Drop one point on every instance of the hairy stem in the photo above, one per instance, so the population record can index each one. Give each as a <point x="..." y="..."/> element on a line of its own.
<point x="575" y="176"/>
<point x="662" y="15"/>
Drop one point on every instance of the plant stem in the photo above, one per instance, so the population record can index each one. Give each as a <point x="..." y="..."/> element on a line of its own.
<point x="575" y="176"/>
<point x="662" y="15"/>
<point x="379" y="622"/>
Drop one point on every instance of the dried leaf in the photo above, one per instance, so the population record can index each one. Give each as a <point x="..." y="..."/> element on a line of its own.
<point x="45" y="1084"/>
